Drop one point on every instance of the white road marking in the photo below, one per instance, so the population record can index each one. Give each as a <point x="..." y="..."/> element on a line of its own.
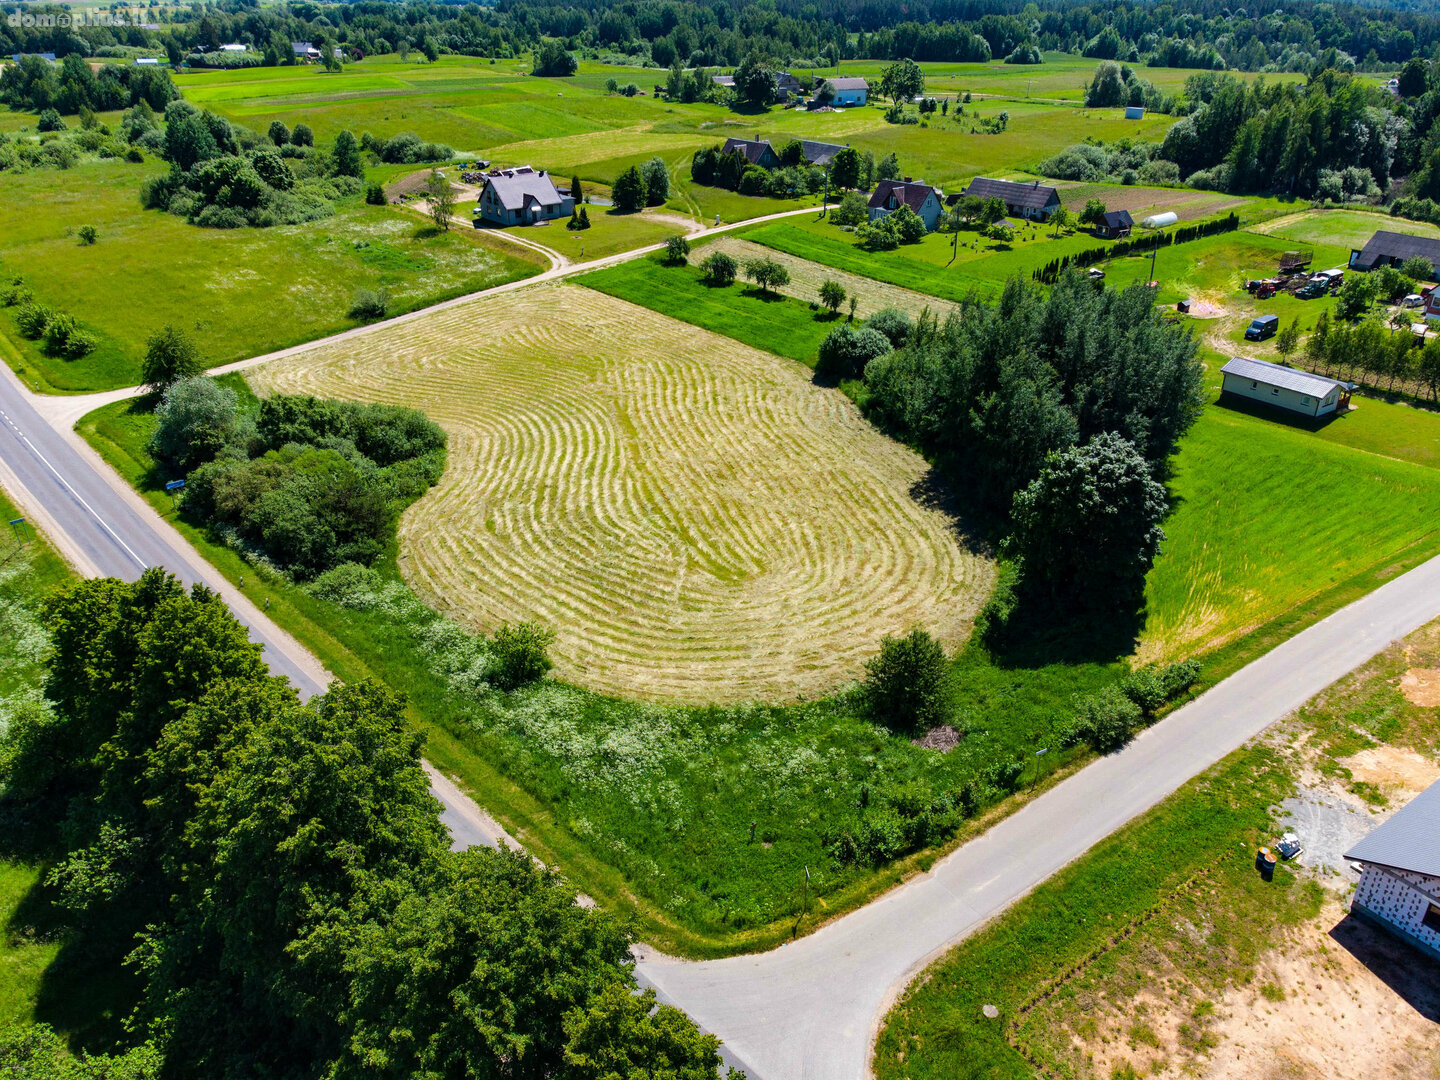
<point x="89" y="509"/>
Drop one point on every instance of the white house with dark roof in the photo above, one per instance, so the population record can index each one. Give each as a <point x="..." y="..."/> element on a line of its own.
<point x="925" y="200"/>
<point x="1034" y="200"/>
<point x="1399" y="889"/>
<point x="1284" y="387"/>
<point x="521" y="196"/>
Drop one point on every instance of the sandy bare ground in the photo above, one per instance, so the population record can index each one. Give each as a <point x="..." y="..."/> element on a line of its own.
<point x="806" y="278"/>
<point x="695" y="518"/>
<point x="1357" y="1005"/>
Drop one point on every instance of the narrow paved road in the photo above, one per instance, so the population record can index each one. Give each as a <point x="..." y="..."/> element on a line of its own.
<point x="106" y="530"/>
<point x="809" y="1010"/>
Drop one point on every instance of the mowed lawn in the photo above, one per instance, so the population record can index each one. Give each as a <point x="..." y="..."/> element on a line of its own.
<point x="769" y="321"/>
<point x="1268" y="515"/>
<point x="1342" y="228"/>
<point x="237" y="292"/>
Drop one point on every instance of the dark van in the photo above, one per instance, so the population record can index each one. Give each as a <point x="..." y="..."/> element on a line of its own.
<point x="1262" y="328"/>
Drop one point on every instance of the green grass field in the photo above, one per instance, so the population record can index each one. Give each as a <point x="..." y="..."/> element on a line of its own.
<point x="1343" y="229"/>
<point x="238" y="292"/>
<point x="1267" y="515"/>
<point x="648" y="807"/>
<point x="767" y="321"/>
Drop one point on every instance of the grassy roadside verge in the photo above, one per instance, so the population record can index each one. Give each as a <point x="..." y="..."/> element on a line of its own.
<point x="1204" y="836"/>
<point x="1134" y="954"/>
<point x="359" y="644"/>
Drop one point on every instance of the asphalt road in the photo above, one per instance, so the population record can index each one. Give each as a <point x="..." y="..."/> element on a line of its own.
<point x="106" y="530"/>
<point x="810" y="1009"/>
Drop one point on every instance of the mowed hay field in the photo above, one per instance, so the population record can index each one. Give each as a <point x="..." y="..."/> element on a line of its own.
<point x="693" y="517"/>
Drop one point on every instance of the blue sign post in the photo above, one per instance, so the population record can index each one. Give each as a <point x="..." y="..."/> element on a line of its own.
<point x="173" y="488"/>
<point x="18" y="527"/>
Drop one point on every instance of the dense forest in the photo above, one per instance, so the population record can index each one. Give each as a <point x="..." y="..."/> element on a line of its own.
<point x="1272" y="35"/>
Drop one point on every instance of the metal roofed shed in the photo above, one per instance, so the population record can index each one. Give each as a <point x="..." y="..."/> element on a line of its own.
<point x="1284" y="388"/>
<point x="1388" y="248"/>
<point x="1399" y="889"/>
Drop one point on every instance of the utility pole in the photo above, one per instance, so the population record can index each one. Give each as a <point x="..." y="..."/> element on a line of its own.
<point x="805" y="903"/>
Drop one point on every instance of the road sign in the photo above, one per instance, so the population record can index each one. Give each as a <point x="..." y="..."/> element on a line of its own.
<point x="174" y="486"/>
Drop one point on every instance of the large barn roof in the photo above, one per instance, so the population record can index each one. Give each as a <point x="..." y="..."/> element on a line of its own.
<point x="1408" y="841"/>
<point x="1393" y="245"/>
<point x="1263" y="371"/>
<point x="1035" y="195"/>
<point x="819" y="153"/>
<point x="849" y="82"/>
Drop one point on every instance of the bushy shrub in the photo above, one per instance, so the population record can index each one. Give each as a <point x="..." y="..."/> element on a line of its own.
<point x="406" y="148"/>
<point x="49" y="121"/>
<point x="32" y="318"/>
<point x="63" y="337"/>
<point x="369" y="304"/>
<point x="1105" y="720"/>
<point x="519" y="655"/>
<point x="895" y="324"/>
<point x="197" y="420"/>
<point x="375" y="194"/>
<point x="88" y="234"/>
<point x="846" y="350"/>
<point x="853" y="210"/>
<point x="906" y="685"/>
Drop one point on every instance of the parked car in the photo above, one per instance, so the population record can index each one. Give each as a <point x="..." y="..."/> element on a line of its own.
<point x="1413" y="300"/>
<point x="1262" y="328"/>
<point x="1313" y="290"/>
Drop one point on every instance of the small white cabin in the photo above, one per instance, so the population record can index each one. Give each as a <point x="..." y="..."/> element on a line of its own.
<point x="1283" y="387"/>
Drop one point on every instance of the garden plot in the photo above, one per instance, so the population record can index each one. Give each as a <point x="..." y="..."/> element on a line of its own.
<point x="695" y="519"/>
<point x="806" y="277"/>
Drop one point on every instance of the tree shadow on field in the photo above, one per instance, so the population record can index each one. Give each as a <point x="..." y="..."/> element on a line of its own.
<point x="425" y="232"/>
<point x="933" y="492"/>
<point x="765" y="296"/>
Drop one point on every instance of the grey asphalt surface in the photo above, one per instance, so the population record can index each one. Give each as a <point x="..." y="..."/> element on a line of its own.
<point x="810" y="1009"/>
<point x="105" y="530"/>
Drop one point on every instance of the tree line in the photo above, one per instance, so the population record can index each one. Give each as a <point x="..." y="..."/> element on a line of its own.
<point x="1056" y="412"/>
<point x="1285" y="35"/>
<point x="273" y="877"/>
<point x="1051" y="271"/>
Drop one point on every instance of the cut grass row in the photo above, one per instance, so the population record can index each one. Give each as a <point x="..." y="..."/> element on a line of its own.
<point x="676" y="849"/>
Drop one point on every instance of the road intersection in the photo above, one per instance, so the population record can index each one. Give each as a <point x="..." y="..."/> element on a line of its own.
<point x="810" y="1009"/>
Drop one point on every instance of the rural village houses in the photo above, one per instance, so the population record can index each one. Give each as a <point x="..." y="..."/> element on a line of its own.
<point x="522" y="196"/>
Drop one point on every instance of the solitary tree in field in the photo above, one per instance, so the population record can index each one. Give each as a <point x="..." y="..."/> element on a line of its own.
<point x="302" y="135"/>
<point x="279" y="133"/>
<point x="404" y="50"/>
<point x="832" y="295"/>
<point x="1061" y="220"/>
<point x="169" y="357"/>
<point x="441" y="196"/>
<point x="902" y="81"/>
<point x="677" y="249"/>
<point x="1288" y="339"/>
<point x="905" y="686"/>
<point x="767" y="273"/>
<point x="719" y="268"/>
